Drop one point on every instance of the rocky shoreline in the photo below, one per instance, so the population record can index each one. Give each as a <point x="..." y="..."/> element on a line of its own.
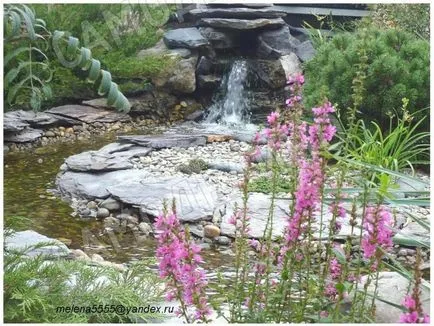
<point x="202" y="172"/>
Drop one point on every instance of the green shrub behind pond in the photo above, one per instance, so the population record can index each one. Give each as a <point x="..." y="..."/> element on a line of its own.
<point x="397" y="67"/>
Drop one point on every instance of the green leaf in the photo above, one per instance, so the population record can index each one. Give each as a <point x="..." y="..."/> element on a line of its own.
<point x="48" y="93"/>
<point x="10" y="76"/>
<point x="35" y="101"/>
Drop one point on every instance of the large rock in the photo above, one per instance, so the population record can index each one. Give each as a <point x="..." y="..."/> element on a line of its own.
<point x="242" y="24"/>
<point x="305" y="51"/>
<point x="77" y="114"/>
<point x="276" y="43"/>
<point x="161" y="49"/>
<point x="291" y="65"/>
<point x="270" y="73"/>
<point x="109" y="158"/>
<point x="219" y="39"/>
<point x="27" y="240"/>
<point x="165" y="141"/>
<point x="208" y="66"/>
<point x="392" y="287"/>
<point x="189" y="38"/>
<point x="195" y="199"/>
<point x="24" y="136"/>
<point x="181" y="78"/>
<point x="90" y="186"/>
<point x="240" y="13"/>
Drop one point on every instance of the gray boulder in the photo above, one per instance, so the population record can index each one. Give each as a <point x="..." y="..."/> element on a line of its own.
<point x="219" y="39"/>
<point x="305" y="51"/>
<point x="17" y="120"/>
<point x="269" y="72"/>
<point x="25" y="240"/>
<point x="165" y="141"/>
<point x="242" y="24"/>
<point x="189" y="38"/>
<point x="181" y="78"/>
<point x="276" y="43"/>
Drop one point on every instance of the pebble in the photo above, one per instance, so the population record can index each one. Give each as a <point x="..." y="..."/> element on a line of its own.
<point x="92" y="205"/>
<point x="223" y="240"/>
<point x="40" y="160"/>
<point x="110" y="204"/>
<point x="145" y="228"/>
<point x="79" y="254"/>
<point x="102" y="213"/>
<point x="211" y="231"/>
<point x="97" y="258"/>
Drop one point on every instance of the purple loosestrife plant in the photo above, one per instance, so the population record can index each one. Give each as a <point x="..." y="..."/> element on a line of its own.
<point x="179" y="260"/>
<point x="412" y="303"/>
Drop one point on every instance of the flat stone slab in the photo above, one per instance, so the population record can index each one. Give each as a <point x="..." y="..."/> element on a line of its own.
<point x="12" y="124"/>
<point x="77" y="114"/>
<point x="241" y="13"/>
<point x="258" y="209"/>
<point x="24" y="136"/>
<point x="392" y="287"/>
<point x="195" y="199"/>
<point x="90" y="186"/>
<point x="165" y="141"/>
<point x="24" y="240"/>
<point x="16" y="121"/>
<point x="241" y="24"/>
<point x="189" y="38"/>
<point x="109" y="158"/>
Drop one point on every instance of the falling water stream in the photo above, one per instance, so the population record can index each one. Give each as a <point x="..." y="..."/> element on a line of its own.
<point x="233" y="107"/>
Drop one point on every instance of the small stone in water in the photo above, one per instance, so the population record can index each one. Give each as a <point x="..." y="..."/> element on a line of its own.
<point x="40" y="160"/>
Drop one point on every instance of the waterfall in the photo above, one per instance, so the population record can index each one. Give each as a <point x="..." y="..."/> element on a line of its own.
<point x="233" y="107"/>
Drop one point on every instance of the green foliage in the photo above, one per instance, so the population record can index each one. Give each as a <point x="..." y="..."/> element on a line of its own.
<point x="263" y="184"/>
<point x="29" y="75"/>
<point x="399" y="147"/>
<point x="396" y="67"/>
<point x="35" y="287"/>
<point x="410" y="17"/>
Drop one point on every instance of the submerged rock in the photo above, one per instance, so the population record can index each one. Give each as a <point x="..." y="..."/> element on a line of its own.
<point x="26" y="240"/>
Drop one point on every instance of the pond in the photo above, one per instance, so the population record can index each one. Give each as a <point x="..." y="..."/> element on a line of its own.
<point x="29" y="178"/>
